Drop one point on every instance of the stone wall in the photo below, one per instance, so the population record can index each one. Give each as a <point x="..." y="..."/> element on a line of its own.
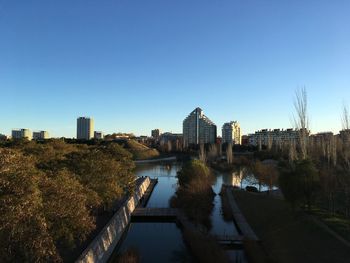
<point x="103" y="245"/>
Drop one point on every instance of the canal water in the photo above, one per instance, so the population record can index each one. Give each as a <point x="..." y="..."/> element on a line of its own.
<point x="162" y="242"/>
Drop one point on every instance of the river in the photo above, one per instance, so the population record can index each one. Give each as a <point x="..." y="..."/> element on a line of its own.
<point x="162" y="242"/>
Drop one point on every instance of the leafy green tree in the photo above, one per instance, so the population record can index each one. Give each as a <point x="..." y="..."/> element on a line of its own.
<point x="309" y="179"/>
<point x="195" y="195"/>
<point x="101" y="173"/>
<point x="299" y="181"/>
<point x="194" y="169"/>
<point x="66" y="208"/>
<point x="24" y="234"/>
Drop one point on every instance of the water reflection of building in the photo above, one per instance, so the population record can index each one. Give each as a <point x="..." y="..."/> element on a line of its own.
<point x="233" y="179"/>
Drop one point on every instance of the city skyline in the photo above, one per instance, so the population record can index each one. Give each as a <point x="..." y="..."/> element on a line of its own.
<point x="137" y="66"/>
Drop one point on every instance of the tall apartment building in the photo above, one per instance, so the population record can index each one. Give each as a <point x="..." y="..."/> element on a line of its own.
<point x="155" y="134"/>
<point x="85" y="128"/>
<point x="40" y="135"/>
<point x="198" y="128"/>
<point x="21" y="134"/>
<point x="231" y="132"/>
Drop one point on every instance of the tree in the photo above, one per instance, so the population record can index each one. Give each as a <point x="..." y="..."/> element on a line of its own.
<point x="266" y="174"/>
<point x="194" y="194"/>
<point x="194" y="169"/>
<point x="299" y="181"/>
<point x="24" y="234"/>
<point x="289" y="183"/>
<point x="345" y="158"/>
<point x="202" y="153"/>
<point x="309" y="180"/>
<point x="99" y="173"/>
<point x="229" y="153"/>
<point x="301" y="121"/>
<point x="213" y="152"/>
<point x="66" y="206"/>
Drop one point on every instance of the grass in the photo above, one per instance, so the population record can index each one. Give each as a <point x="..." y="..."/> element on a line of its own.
<point x="337" y="223"/>
<point x="140" y="151"/>
<point x="288" y="236"/>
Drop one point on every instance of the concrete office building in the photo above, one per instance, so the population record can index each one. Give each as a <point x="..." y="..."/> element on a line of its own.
<point x="21" y="134"/>
<point x="98" y="135"/>
<point x="231" y="133"/>
<point x="198" y="128"/>
<point x="40" y="135"/>
<point x="85" y="128"/>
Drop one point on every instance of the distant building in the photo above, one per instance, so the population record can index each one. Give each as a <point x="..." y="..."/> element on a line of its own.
<point x="321" y="137"/>
<point x="344" y="136"/>
<point x="142" y="139"/>
<point x="231" y="133"/>
<point x="98" y="135"/>
<point x="21" y="134"/>
<point x="198" y="128"/>
<point x="274" y="137"/>
<point x="155" y="133"/>
<point x="344" y="133"/>
<point x="40" y="135"/>
<point x="119" y="136"/>
<point x="168" y="136"/>
<point x="171" y="141"/>
<point x="85" y="128"/>
<point x="245" y="140"/>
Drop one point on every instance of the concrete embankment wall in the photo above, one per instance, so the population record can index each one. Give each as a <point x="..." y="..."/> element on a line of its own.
<point x="103" y="245"/>
<point x="173" y="158"/>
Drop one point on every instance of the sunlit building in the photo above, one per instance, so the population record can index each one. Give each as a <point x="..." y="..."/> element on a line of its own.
<point x="198" y="128"/>
<point x="85" y="128"/>
<point x="231" y="133"/>
<point x="274" y="137"/>
<point x="21" y="134"/>
<point x="40" y="135"/>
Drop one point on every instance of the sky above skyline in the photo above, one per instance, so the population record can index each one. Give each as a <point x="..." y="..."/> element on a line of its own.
<point x="138" y="65"/>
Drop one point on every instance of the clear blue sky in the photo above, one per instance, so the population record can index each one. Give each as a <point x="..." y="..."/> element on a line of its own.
<point x="137" y="65"/>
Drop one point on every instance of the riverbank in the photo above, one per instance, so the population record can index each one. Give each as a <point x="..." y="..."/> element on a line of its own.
<point x="279" y="228"/>
<point x="101" y="248"/>
<point x="172" y="158"/>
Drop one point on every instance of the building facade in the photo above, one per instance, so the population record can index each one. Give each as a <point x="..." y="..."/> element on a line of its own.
<point x="155" y="134"/>
<point x="85" y="128"/>
<point x="21" y="134"/>
<point x="198" y="128"/>
<point x="274" y="137"/>
<point x="98" y="135"/>
<point x="231" y="133"/>
<point x="40" y="135"/>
